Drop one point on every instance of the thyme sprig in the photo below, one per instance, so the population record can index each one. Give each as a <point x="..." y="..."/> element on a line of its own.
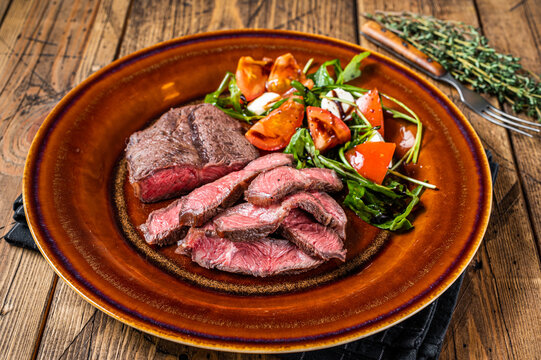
<point x="466" y="54"/>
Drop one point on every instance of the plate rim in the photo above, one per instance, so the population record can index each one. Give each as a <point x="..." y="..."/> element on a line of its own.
<point x="422" y="299"/>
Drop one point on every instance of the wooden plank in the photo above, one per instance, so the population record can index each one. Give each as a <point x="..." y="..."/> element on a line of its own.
<point x="520" y="18"/>
<point x="4" y="6"/>
<point x="43" y="44"/>
<point x="74" y="328"/>
<point x="485" y="323"/>
<point x="480" y="291"/>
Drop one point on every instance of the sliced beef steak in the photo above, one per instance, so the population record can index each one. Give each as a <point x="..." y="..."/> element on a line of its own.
<point x="165" y="226"/>
<point x="161" y="153"/>
<point x="185" y="148"/>
<point x="203" y="203"/>
<point x="219" y="139"/>
<point x="263" y="257"/>
<point x="274" y="185"/>
<point x="247" y="221"/>
<point x="314" y="238"/>
<point x="269" y="162"/>
<point x="338" y="216"/>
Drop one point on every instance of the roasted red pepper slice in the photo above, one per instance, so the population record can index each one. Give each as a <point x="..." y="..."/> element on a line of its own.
<point x="371" y="159"/>
<point x="370" y="106"/>
<point x="327" y="130"/>
<point x="274" y="131"/>
<point x="252" y="76"/>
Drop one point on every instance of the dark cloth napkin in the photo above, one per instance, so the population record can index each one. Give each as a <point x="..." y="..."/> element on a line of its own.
<point x="418" y="337"/>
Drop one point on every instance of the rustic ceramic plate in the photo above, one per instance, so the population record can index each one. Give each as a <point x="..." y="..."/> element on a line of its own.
<point x="84" y="218"/>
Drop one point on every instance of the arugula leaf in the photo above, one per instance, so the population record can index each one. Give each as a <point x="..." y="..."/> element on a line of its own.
<point x="302" y="147"/>
<point x="322" y="77"/>
<point x="230" y="104"/>
<point x="212" y="98"/>
<point x="352" y="70"/>
<point x="234" y="93"/>
<point x="275" y="106"/>
<point x="243" y="114"/>
<point x="380" y="211"/>
<point x="310" y="99"/>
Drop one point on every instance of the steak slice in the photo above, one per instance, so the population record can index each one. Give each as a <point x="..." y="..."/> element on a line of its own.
<point x="185" y="148"/>
<point x="162" y="159"/>
<point x="274" y="185"/>
<point x="269" y="162"/>
<point x="247" y="221"/>
<point x="165" y="226"/>
<point x="338" y="215"/>
<point x="220" y="141"/>
<point x="263" y="257"/>
<point x="205" y="202"/>
<point x="314" y="238"/>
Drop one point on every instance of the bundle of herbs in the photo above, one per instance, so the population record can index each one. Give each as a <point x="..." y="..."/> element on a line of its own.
<point x="466" y="54"/>
<point x="387" y="205"/>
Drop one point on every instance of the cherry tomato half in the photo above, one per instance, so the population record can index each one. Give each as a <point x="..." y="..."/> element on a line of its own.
<point x="284" y="70"/>
<point x="370" y="106"/>
<point x="274" y="131"/>
<point x="326" y="129"/>
<point x="252" y="76"/>
<point x="371" y="159"/>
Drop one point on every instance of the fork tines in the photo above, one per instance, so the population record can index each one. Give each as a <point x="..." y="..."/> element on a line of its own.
<point x="513" y="123"/>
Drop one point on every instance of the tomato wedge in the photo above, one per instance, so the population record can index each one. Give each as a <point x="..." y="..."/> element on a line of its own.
<point x="252" y="76"/>
<point x="284" y="70"/>
<point x="274" y="131"/>
<point x="371" y="159"/>
<point x="326" y="129"/>
<point x="370" y="106"/>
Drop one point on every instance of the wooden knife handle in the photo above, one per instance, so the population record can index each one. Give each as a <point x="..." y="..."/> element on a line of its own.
<point x="402" y="47"/>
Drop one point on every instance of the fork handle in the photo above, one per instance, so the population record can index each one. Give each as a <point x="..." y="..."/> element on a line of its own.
<point x="394" y="43"/>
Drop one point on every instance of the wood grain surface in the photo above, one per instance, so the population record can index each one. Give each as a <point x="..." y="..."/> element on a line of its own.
<point x="46" y="48"/>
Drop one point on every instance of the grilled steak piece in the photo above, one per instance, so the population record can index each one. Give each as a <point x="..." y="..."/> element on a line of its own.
<point x="165" y="226"/>
<point x="263" y="257"/>
<point x="162" y="226"/>
<point x="269" y="162"/>
<point x="219" y="141"/>
<point x="338" y="216"/>
<point x="162" y="152"/>
<point x="203" y="203"/>
<point x="272" y="186"/>
<point x="185" y="148"/>
<point x="314" y="238"/>
<point x="247" y="221"/>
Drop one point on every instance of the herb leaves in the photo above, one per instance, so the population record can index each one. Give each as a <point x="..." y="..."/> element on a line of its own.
<point x="466" y="54"/>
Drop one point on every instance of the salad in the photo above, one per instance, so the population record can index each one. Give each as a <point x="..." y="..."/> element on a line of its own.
<point x="315" y="115"/>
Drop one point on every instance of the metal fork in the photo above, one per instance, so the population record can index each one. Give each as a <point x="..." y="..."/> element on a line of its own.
<point x="483" y="108"/>
<point x="420" y="61"/>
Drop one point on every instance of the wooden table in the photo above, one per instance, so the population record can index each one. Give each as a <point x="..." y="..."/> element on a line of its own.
<point x="48" y="47"/>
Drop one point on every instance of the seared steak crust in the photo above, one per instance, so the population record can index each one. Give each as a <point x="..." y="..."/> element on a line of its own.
<point x="218" y="137"/>
<point x="185" y="148"/>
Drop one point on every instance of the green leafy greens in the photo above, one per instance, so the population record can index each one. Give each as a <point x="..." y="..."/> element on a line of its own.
<point x="231" y="104"/>
<point x="386" y="206"/>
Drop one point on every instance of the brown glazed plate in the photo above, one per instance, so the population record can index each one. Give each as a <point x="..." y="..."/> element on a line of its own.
<point x="84" y="216"/>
